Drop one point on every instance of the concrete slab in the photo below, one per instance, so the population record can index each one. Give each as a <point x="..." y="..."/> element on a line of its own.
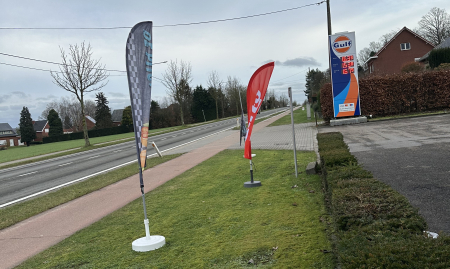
<point x="347" y="121"/>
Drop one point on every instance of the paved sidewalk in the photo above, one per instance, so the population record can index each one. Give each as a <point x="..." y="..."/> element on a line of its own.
<point x="29" y="237"/>
<point x="280" y="137"/>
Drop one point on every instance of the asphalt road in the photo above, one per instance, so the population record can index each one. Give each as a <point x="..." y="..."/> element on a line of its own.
<point x="412" y="156"/>
<point x="22" y="181"/>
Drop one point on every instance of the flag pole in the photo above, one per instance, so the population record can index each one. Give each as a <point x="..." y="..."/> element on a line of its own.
<point x="139" y="55"/>
<point x="146" y="222"/>
<point x="256" y="91"/>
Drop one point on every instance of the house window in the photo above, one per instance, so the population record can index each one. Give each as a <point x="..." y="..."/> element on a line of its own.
<point x="405" y="46"/>
<point x="46" y="130"/>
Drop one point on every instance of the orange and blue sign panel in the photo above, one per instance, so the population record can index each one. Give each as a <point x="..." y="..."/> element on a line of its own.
<point x="344" y="75"/>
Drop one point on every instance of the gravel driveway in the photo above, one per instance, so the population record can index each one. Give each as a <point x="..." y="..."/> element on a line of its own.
<point x="412" y="156"/>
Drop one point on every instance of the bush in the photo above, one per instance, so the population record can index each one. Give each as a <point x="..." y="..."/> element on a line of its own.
<point x="92" y="133"/>
<point x="443" y="67"/>
<point x="374" y="226"/>
<point x="412" y="67"/>
<point x="395" y="94"/>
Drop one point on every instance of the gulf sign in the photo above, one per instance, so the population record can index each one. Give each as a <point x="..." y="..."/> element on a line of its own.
<point x="344" y="75"/>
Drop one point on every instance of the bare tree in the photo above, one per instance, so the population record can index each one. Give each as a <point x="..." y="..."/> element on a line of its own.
<point x="214" y="85"/>
<point x="175" y="79"/>
<point x="384" y="39"/>
<point x="80" y="74"/>
<point x="232" y="89"/>
<point x="368" y="52"/>
<point x="67" y="107"/>
<point x="374" y="47"/>
<point x="435" y="25"/>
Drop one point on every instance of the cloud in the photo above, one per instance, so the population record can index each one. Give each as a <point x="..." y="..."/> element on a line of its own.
<point x="19" y="94"/>
<point x="117" y="94"/>
<point x="297" y="62"/>
<point x="4" y="98"/>
<point x="17" y="107"/>
<point x="47" y="98"/>
<point x="4" y="108"/>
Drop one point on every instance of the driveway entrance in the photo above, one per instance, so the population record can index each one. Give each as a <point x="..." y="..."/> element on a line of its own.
<point x="412" y="156"/>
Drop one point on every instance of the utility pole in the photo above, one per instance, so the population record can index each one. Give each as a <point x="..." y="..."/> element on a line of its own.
<point x="329" y="32"/>
<point x="329" y="17"/>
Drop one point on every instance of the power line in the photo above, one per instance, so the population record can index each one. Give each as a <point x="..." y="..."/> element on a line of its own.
<point x="160" y="26"/>
<point x="47" y="70"/>
<point x="48" y="62"/>
<point x="289" y="76"/>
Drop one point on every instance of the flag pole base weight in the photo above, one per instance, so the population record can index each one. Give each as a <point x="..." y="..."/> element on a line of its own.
<point x="253" y="184"/>
<point x="145" y="244"/>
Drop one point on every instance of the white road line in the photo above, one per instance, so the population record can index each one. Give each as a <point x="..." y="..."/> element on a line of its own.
<point x="163" y="139"/>
<point x="94" y="157"/>
<point x="98" y="173"/>
<point x="106" y="170"/>
<point x="65" y="164"/>
<point x="28" y="173"/>
<point x="117" y="150"/>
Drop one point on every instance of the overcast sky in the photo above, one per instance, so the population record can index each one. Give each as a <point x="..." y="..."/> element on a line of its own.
<point x="296" y="40"/>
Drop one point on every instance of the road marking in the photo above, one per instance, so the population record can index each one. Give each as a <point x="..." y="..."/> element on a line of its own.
<point x="163" y="138"/>
<point x="117" y="150"/>
<point x="65" y="164"/>
<point x="94" y="157"/>
<point x="107" y="170"/>
<point x="28" y="173"/>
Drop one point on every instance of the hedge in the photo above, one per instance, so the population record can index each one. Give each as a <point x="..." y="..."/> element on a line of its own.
<point x="92" y="133"/>
<point x="438" y="57"/>
<point x="373" y="225"/>
<point x="395" y="94"/>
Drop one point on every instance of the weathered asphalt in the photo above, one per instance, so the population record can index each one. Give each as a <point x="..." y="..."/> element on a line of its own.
<point x="412" y="156"/>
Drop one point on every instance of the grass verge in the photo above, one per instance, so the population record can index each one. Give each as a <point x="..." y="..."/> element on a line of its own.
<point x="299" y="117"/>
<point x="374" y="226"/>
<point x="17" y="153"/>
<point x="18" y="212"/>
<point x="75" y="146"/>
<point x="211" y="221"/>
<point x="59" y="154"/>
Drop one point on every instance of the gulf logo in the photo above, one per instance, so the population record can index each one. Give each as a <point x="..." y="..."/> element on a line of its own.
<point x="342" y="44"/>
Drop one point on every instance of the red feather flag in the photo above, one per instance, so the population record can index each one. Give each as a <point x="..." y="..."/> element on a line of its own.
<point x="256" y="91"/>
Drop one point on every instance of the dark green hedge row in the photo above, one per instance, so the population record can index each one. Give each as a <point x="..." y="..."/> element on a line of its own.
<point x="395" y="94"/>
<point x="439" y="56"/>
<point x="92" y="133"/>
<point x="374" y="226"/>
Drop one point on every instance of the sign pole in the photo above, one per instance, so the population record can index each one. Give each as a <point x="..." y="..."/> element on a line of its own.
<point x="293" y="131"/>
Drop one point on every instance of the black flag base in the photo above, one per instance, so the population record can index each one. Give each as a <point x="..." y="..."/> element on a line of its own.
<point x="251" y="184"/>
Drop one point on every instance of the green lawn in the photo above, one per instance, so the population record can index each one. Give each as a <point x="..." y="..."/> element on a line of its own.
<point x="15" y="213"/>
<point x="299" y="117"/>
<point x="211" y="221"/>
<point x="17" y="153"/>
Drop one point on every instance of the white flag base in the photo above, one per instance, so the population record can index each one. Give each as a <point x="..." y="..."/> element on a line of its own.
<point x="145" y="244"/>
<point x="148" y="243"/>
